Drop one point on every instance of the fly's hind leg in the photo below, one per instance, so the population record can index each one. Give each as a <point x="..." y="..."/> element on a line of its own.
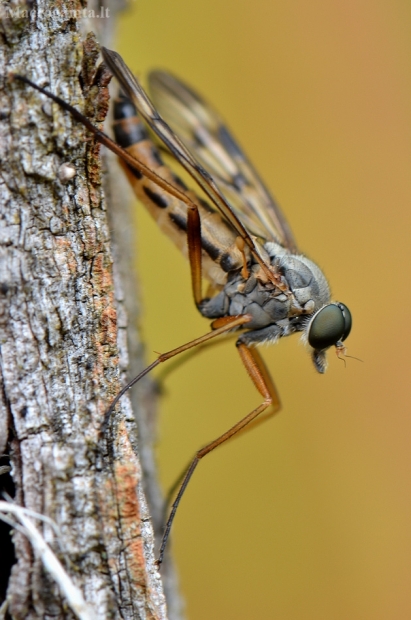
<point x="194" y="251"/>
<point x="262" y="380"/>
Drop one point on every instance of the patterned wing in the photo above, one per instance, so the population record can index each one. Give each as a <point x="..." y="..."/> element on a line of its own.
<point x="204" y="133"/>
<point x="184" y="157"/>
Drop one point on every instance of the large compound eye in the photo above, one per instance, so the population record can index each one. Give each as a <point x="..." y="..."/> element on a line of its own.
<point x="330" y="325"/>
<point x="347" y="320"/>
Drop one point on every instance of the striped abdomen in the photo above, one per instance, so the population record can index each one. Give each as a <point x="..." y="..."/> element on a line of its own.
<point x="220" y="253"/>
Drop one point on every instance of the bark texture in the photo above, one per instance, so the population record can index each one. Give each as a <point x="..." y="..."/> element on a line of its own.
<point x="59" y="355"/>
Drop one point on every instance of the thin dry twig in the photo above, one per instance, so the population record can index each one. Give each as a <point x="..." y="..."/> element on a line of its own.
<point x="51" y="563"/>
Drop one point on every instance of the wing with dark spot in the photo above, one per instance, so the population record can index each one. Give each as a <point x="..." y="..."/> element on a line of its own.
<point x="204" y="133"/>
<point x="166" y="135"/>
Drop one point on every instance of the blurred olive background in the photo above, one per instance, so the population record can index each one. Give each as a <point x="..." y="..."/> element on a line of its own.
<point x="308" y="516"/>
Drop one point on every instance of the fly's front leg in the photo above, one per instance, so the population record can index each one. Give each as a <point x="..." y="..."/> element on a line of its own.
<point x="262" y="380"/>
<point x="260" y="376"/>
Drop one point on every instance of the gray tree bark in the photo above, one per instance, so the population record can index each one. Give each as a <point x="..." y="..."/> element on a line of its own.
<point x="63" y="344"/>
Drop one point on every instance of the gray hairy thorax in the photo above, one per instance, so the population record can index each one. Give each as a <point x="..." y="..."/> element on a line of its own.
<point x="275" y="313"/>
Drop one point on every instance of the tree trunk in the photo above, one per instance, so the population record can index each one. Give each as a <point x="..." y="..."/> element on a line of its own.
<point x="63" y="349"/>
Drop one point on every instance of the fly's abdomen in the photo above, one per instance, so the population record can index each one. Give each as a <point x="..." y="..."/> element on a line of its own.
<point x="220" y="253"/>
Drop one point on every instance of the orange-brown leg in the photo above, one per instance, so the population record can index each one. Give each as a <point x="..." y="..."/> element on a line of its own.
<point x="235" y="321"/>
<point x="194" y="251"/>
<point x="262" y="380"/>
<point x="227" y="323"/>
<point x="103" y="138"/>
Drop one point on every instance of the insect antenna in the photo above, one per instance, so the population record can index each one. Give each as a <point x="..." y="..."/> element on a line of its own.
<point x="350" y="357"/>
<point x="341" y="352"/>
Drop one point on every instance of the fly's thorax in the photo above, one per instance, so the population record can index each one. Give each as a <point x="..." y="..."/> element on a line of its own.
<point x="305" y="279"/>
<point x="268" y="305"/>
<point x="307" y="291"/>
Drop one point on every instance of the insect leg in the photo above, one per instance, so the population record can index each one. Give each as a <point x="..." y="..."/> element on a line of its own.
<point x="237" y="321"/>
<point x="194" y="252"/>
<point x="203" y="178"/>
<point x="99" y="135"/>
<point x="262" y="380"/>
